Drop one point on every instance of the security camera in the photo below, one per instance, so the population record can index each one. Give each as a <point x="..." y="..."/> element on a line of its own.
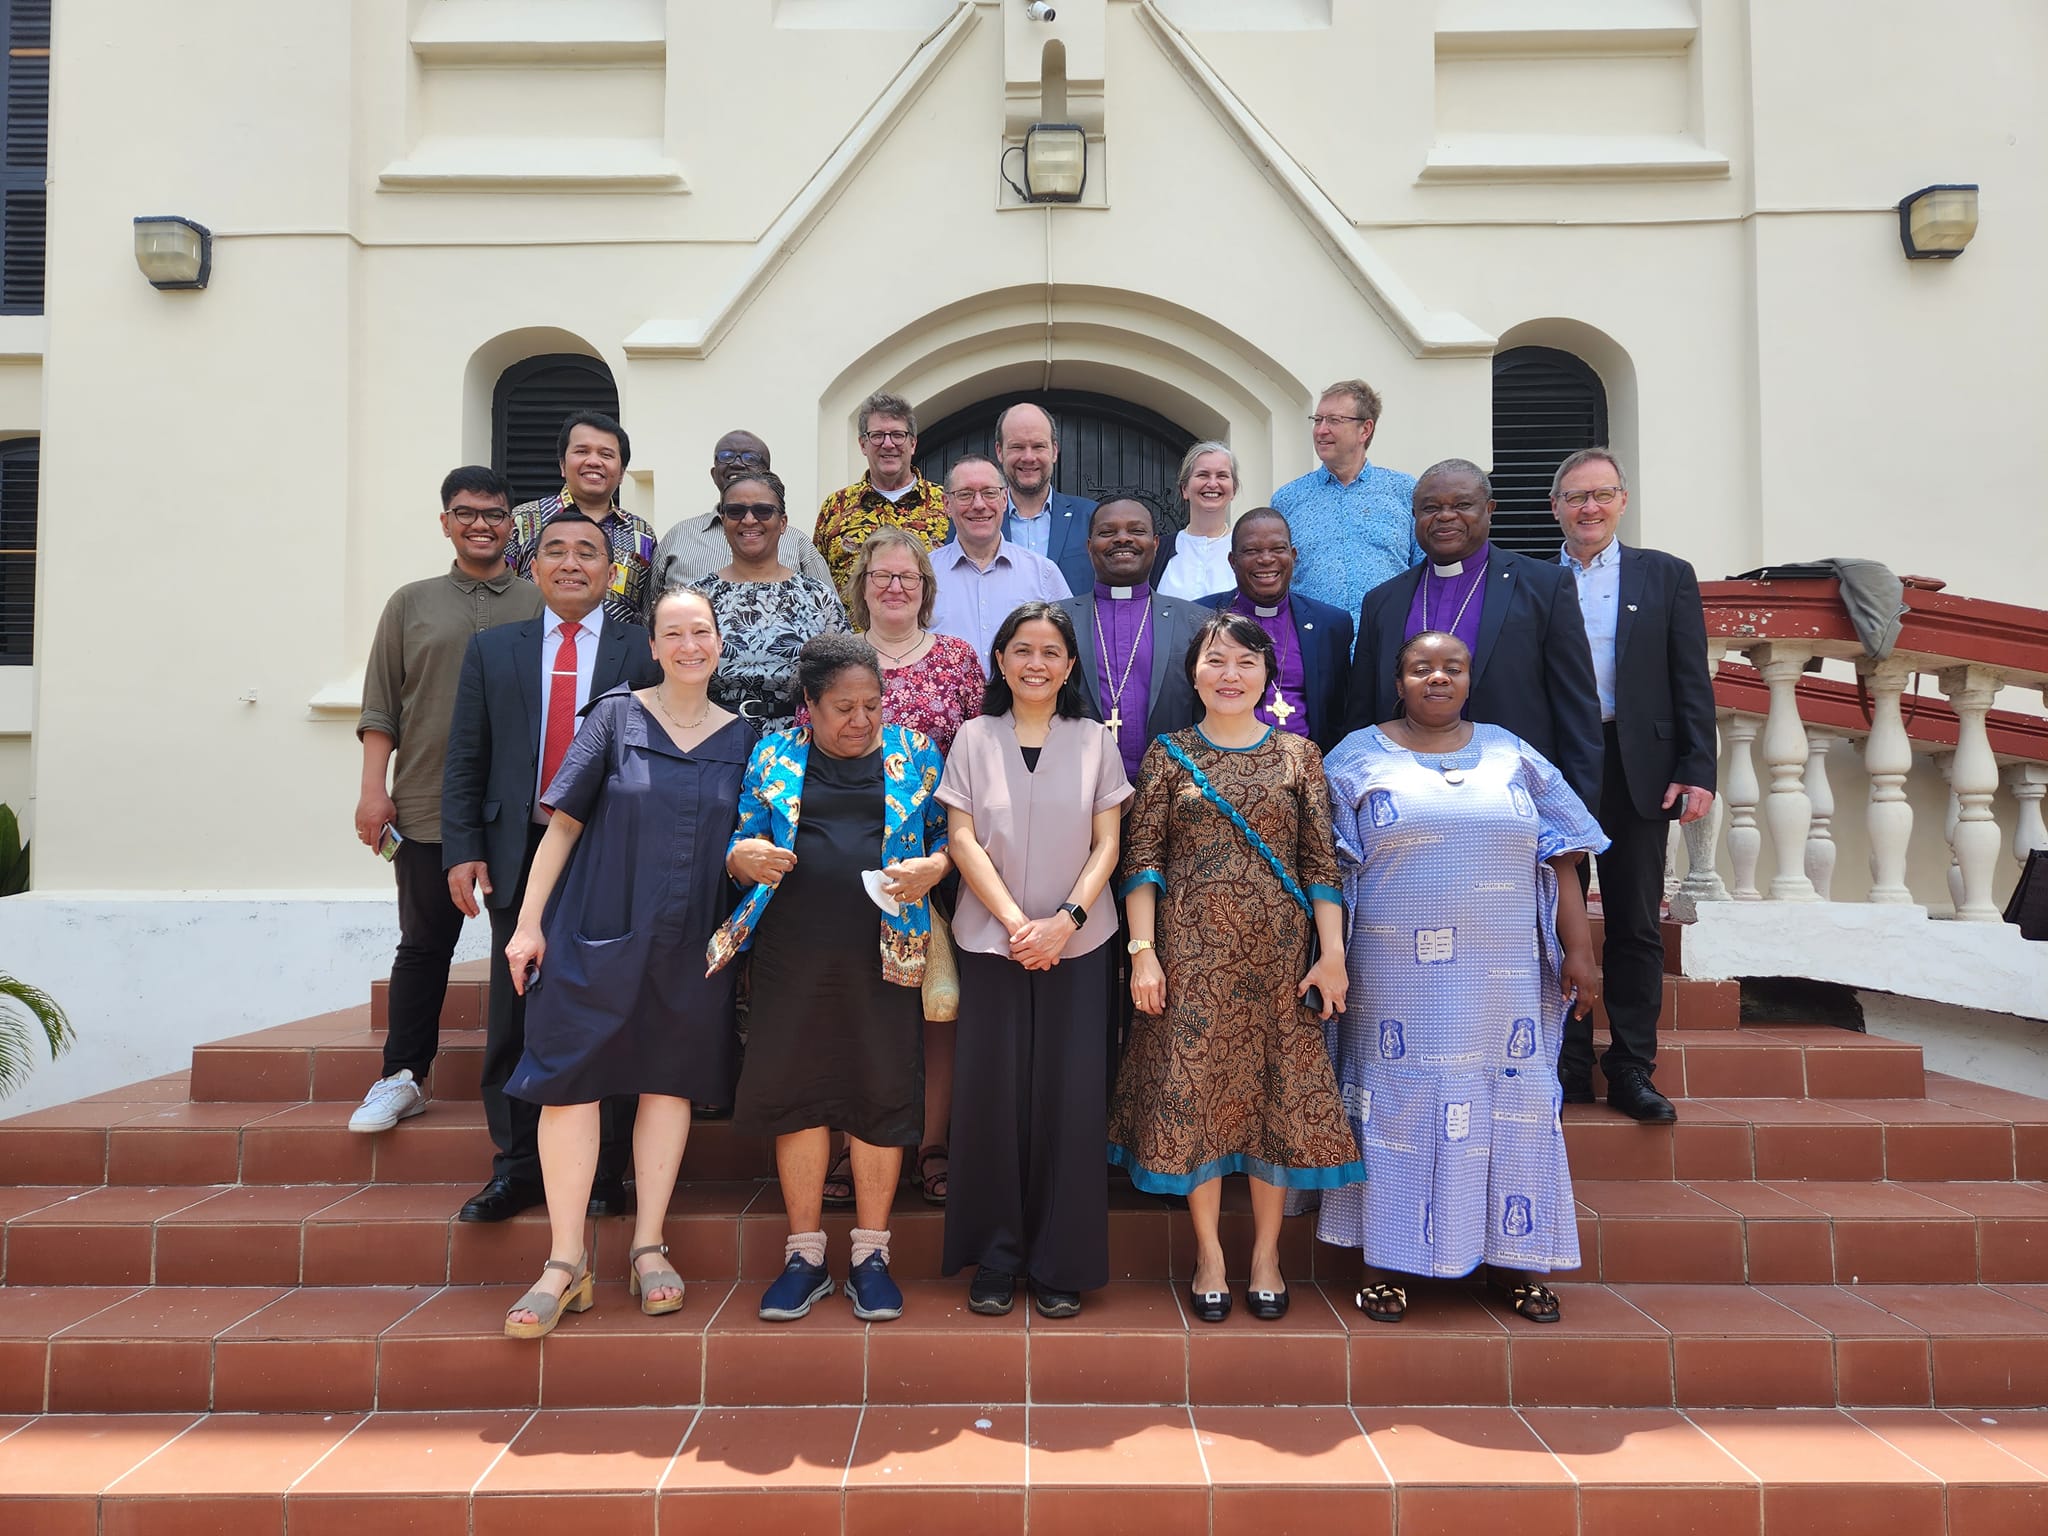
<point x="1038" y="10"/>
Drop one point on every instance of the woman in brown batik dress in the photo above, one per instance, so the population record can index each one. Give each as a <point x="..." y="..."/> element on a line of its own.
<point x="1229" y="872"/>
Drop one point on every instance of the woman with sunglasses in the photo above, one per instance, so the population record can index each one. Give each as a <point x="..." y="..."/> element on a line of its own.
<point x="695" y="546"/>
<point x="766" y="611"/>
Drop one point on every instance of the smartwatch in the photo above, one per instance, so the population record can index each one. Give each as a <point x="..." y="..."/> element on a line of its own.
<point x="1078" y="914"/>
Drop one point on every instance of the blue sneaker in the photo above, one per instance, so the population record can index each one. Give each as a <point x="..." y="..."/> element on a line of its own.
<point x="795" y="1289"/>
<point x="876" y="1298"/>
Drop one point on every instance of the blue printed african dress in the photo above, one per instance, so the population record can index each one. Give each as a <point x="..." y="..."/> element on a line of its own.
<point x="1446" y="1053"/>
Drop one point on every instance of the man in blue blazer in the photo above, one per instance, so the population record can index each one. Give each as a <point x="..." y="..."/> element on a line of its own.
<point x="1045" y="521"/>
<point x="1531" y="670"/>
<point x="516" y="681"/>
<point x="1312" y="640"/>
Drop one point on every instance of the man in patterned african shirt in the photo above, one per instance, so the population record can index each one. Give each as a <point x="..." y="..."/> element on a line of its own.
<point x="593" y="451"/>
<point x="892" y="491"/>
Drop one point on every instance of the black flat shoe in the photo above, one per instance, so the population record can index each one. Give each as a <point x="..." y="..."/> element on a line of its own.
<point x="1631" y="1093"/>
<point x="993" y="1293"/>
<point x="1209" y="1306"/>
<point x="1267" y="1306"/>
<point x="609" y="1197"/>
<point x="1051" y="1303"/>
<point x="501" y="1200"/>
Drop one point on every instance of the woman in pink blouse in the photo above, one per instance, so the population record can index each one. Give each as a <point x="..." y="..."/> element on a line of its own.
<point x="1031" y="792"/>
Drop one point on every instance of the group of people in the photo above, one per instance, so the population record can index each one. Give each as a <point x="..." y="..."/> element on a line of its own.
<point x="1012" y="830"/>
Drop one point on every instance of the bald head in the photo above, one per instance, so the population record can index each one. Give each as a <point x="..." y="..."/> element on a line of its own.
<point x="735" y="454"/>
<point x="1027" y="447"/>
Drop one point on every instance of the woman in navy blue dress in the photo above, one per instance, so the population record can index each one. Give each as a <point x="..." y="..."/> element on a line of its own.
<point x="627" y="887"/>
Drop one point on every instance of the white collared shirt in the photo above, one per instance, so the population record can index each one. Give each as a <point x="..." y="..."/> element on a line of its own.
<point x="1199" y="567"/>
<point x="588" y="629"/>
<point x="1599" y="584"/>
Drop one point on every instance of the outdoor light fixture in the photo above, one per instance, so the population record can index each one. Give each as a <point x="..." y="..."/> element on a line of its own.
<point x="173" y="252"/>
<point x="1935" y="223"/>
<point x="1055" y="162"/>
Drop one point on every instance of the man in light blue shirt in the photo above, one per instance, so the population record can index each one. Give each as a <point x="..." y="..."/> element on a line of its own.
<point x="1353" y="522"/>
<point x="1599" y="583"/>
<point x="1038" y="518"/>
<point x="982" y="575"/>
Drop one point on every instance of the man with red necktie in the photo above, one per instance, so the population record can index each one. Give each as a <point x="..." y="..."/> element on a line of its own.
<point x="522" y="689"/>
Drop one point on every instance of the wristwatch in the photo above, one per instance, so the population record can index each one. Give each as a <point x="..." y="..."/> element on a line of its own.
<point x="1078" y="914"/>
<point x="1137" y="947"/>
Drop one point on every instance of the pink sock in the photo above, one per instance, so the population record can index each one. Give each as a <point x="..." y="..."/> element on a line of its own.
<point x="808" y="1246"/>
<point x="867" y="1240"/>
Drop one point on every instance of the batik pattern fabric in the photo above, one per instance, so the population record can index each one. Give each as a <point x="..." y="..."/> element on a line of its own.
<point x="913" y="825"/>
<point x="763" y="625"/>
<point x="851" y="513"/>
<point x="1446" y="1052"/>
<point x="630" y="538"/>
<point x="1234" y="1077"/>
<point x="934" y="694"/>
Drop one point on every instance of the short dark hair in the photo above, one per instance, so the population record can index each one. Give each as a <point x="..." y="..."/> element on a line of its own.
<point x="1150" y="500"/>
<point x="575" y="514"/>
<point x="478" y="480"/>
<point x="1261" y="514"/>
<point x="825" y="656"/>
<point x="766" y="477"/>
<point x="996" y="698"/>
<point x="602" y="423"/>
<point x="1401" y="656"/>
<point x="1239" y="629"/>
<point x="674" y="589"/>
<point x="1453" y="467"/>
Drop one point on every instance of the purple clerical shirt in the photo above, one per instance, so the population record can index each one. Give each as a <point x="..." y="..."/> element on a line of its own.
<point x="1451" y="600"/>
<point x="1123" y="662"/>
<point x="1293" y="692"/>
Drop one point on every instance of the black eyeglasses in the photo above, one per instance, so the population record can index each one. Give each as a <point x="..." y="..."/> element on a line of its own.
<point x="494" y="517"/>
<point x="740" y="511"/>
<point x="745" y="456"/>
<point x="890" y="435"/>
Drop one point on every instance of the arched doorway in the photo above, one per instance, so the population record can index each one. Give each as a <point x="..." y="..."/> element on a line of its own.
<point x="1103" y="442"/>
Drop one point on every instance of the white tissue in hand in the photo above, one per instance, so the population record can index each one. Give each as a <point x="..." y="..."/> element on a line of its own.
<point x="872" y="879"/>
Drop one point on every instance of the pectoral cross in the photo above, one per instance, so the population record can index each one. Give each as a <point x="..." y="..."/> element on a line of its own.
<point x="1116" y="719"/>
<point x="1280" y="709"/>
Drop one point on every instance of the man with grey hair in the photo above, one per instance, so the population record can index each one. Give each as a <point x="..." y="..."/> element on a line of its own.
<point x="982" y="576"/>
<point x="1045" y="521"/>
<point x="695" y="546"/>
<point x="1648" y="639"/>
<point x="1531" y="670"/>
<point x="1351" y="519"/>
<point x="892" y="491"/>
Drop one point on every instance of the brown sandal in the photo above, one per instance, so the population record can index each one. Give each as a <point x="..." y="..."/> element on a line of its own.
<point x="1381" y="1302"/>
<point x="931" y="1183"/>
<point x="547" y="1308"/>
<point x="838" y="1194"/>
<point x="663" y="1279"/>
<point x="1527" y="1298"/>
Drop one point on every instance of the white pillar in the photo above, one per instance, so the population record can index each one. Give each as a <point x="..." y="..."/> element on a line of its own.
<point x="1786" y="809"/>
<point x="1975" y="781"/>
<point x="1887" y="760"/>
<point x="2028" y="782"/>
<point x="1744" y="841"/>
<point x="1820" y="837"/>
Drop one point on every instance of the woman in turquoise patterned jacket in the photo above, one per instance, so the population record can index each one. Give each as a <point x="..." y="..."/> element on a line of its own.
<point x="836" y="821"/>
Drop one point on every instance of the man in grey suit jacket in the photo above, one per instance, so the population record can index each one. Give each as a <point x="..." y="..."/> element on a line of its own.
<point x="514" y="676"/>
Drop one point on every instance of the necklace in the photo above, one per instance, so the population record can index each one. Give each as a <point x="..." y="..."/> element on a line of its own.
<point x="1452" y="627"/>
<point x="675" y="724"/>
<point x="915" y="646"/>
<point x="1116" y="694"/>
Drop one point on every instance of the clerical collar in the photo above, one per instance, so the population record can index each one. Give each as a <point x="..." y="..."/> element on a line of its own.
<point x="1124" y="594"/>
<point x="1457" y="567"/>
<point x="1265" y="613"/>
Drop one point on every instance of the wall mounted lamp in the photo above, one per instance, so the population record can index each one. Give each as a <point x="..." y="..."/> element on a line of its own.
<point x="1936" y="222"/>
<point x="173" y="252"/>
<point x="1055" y="163"/>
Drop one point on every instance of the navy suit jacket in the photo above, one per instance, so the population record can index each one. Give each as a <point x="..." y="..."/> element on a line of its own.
<point x="1663" y="694"/>
<point x="1066" y="541"/>
<point x="1324" y="633"/>
<point x="1532" y="674"/>
<point x="1172" y="705"/>
<point x="488" y="788"/>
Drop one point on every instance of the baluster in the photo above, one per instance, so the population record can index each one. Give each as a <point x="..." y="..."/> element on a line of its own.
<point x="1786" y="808"/>
<point x="1975" y="781"/>
<point x="1887" y="760"/>
<point x="1702" y="880"/>
<point x="1820" y="838"/>
<point x="2028" y="781"/>
<point x="1674" y="862"/>
<point x="1948" y="831"/>
<point x="1745" y="842"/>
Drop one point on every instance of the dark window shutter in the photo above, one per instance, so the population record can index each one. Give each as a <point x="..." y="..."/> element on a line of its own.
<point x="1546" y="406"/>
<point x="19" y="461"/>
<point x="24" y="153"/>
<point x="532" y="399"/>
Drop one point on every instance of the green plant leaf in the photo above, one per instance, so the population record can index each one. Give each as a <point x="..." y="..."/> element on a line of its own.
<point x="23" y="1009"/>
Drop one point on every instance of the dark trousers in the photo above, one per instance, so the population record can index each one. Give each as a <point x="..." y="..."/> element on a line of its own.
<point x="1028" y="1193"/>
<point x="1632" y="962"/>
<point x="429" y="923"/>
<point x="514" y="1123"/>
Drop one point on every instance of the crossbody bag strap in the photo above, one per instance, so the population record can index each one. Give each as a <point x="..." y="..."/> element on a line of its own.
<point x="1245" y="829"/>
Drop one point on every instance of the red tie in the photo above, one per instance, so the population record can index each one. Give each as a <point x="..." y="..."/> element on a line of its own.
<point x="561" y="708"/>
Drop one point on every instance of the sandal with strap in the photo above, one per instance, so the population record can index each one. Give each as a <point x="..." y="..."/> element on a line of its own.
<point x="1381" y="1302"/>
<point x="1538" y="1303"/>
<point x="547" y="1308"/>
<point x="838" y="1194"/>
<point x="662" y="1279"/>
<point x="931" y="1183"/>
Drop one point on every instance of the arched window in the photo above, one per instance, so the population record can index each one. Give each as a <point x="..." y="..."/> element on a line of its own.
<point x="1103" y="442"/>
<point x="1547" y="405"/>
<point x="20" y="461"/>
<point x="532" y="398"/>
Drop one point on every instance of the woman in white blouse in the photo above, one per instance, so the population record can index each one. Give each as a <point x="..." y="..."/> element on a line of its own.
<point x="1201" y="561"/>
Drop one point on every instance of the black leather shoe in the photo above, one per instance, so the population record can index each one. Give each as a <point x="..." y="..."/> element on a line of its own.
<point x="1268" y="1306"/>
<point x="1209" y="1306"/>
<point x="993" y="1293"/>
<point x="501" y="1200"/>
<point x="608" y="1197"/>
<point x="1578" y="1087"/>
<point x="1630" y="1092"/>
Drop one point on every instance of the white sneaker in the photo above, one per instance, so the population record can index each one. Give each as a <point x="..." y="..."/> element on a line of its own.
<point x="390" y="1100"/>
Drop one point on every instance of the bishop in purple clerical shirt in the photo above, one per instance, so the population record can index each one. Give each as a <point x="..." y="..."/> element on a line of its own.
<point x="1123" y="661"/>
<point x="1451" y="596"/>
<point x="1285" y="702"/>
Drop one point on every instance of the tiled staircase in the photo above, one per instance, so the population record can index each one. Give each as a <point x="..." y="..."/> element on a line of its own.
<point x="1818" y="1303"/>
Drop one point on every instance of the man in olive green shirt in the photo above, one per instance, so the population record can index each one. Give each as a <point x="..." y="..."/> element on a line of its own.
<point x="408" y="697"/>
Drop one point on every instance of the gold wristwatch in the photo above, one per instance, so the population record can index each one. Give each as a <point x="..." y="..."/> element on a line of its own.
<point x="1137" y="946"/>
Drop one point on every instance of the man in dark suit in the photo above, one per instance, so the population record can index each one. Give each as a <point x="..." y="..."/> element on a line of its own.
<point x="516" y="705"/>
<point x="1045" y="521"/>
<point x="1648" y="641"/>
<point x="1133" y="641"/>
<point x="1311" y="639"/>
<point x="1531" y="671"/>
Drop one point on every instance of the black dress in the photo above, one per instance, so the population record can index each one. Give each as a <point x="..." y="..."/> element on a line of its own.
<point x="830" y="1042"/>
<point x="623" y="1006"/>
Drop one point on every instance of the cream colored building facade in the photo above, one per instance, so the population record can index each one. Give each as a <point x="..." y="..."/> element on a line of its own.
<point x="757" y="211"/>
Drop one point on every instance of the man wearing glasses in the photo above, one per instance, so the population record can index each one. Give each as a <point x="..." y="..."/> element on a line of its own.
<point x="892" y="491"/>
<point x="695" y="546"/>
<point x="1649" y="643"/>
<point x="1353" y="521"/>
<point x="408" y="696"/>
<point x="982" y="576"/>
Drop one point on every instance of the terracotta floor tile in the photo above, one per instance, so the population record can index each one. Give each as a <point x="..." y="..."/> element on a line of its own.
<point x="1129" y="1345"/>
<point x="1460" y="1447"/>
<point x="1958" y="1309"/>
<point x="1823" y="1473"/>
<point x="615" y="1356"/>
<point x="625" y="1450"/>
<point x="2035" y="1296"/>
<point x="1717" y="1309"/>
<point x="119" y="1205"/>
<point x="168" y="1089"/>
<point x="2018" y="1433"/>
<point x="504" y="1252"/>
<point x="261" y="1203"/>
<point x="1119" y="1511"/>
<point x="451" y="1353"/>
<point x="175" y="1312"/>
<point x="332" y="1313"/>
<point x="1624" y="1197"/>
<point x="1287" y="1447"/>
<point x="1946" y="1446"/>
<point x="819" y="1358"/>
<point x="1706" y="1149"/>
<point x="940" y="1352"/>
<point x="294" y="1376"/>
<point x="20" y="1199"/>
<point x="226" y="1454"/>
<point x="1634" y="1447"/>
<point x="1602" y="1351"/>
<point x="1734" y="1346"/>
<point x="1299" y="1359"/>
<point x="752" y="1448"/>
<point x="82" y="1454"/>
<point x="1880" y="1360"/>
<point x="1448" y="1350"/>
<point x="963" y="1447"/>
<point x="419" y="1455"/>
<point x="1113" y="1447"/>
<point x="914" y="1511"/>
<point x="39" y="1313"/>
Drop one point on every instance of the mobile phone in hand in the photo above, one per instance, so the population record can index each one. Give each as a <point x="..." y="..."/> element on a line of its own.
<point x="387" y="844"/>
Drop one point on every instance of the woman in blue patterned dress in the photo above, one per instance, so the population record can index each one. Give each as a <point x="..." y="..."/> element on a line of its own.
<point x="1469" y="938"/>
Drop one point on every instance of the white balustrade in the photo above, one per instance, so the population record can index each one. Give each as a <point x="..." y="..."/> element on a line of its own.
<point x="1887" y="759"/>
<point x="1820" y="836"/>
<point x="1947" y="762"/>
<point x="1974" y="778"/>
<point x="2028" y="782"/>
<point x="1745" y="842"/>
<point x="1787" y="811"/>
<point x="1702" y="880"/>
